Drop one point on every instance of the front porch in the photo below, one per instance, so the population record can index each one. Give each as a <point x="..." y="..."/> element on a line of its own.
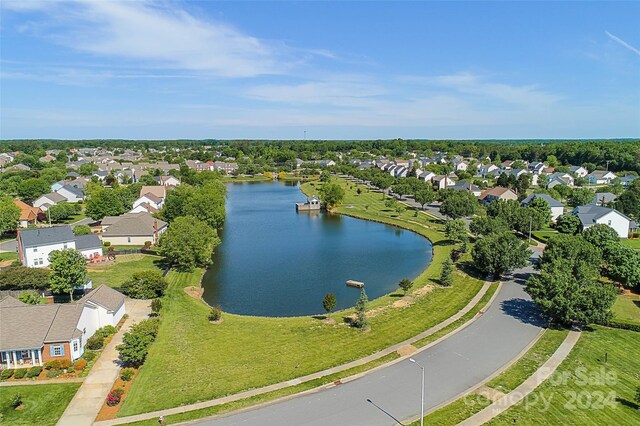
<point x="20" y="358"/>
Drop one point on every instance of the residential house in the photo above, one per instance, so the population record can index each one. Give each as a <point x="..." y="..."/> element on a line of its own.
<point x="485" y="169"/>
<point x="461" y="166"/>
<point x="578" y="171"/>
<point x="47" y="200"/>
<point x="506" y="164"/>
<point x="157" y="190"/>
<point x="132" y="229"/>
<point x="28" y="215"/>
<point x="497" y="193"/>
<point x="603" y="198"/>
<point x="560" y="178"/>
<point x="57" y="185"/>
<point x="626" y="181"/>
<point x="35" y="334"/>
<point x="147" y="203"/>
<point x="100" y="174"/>
<point x="600" y="177"/>
<point x="557" y="208"/>
<point x="442" y="182"/>
<point x="35" y="245"/>
<point x="426" y="176"/>
<point x="168" y="181"/>
<point x="18" y="167"/>
<point x="467" y="186"/>
<point x="71" y="193"/>
<point x="47" y="159"/>
<point x="591" y="214"/>
<point x="537" y="167"/>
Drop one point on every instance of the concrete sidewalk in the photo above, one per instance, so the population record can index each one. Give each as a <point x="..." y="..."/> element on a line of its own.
<point x="85" y="405"/>
<point x="528" y="386"/>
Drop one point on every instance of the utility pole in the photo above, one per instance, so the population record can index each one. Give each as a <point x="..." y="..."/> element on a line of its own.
<point x="530" y="226"/>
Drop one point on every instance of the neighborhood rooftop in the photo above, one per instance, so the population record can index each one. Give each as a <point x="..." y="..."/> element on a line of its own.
<point x="42" y="236"/>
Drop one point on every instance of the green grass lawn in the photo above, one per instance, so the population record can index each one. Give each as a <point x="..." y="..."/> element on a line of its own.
<point x="631" y="243"/>
<point x="8" y="255"/>
<point x="44" y="404"/>
<point x="627" y="308"/>
<point x="115" y="274"/>
<point x="537" y="355"/>
<point x="455" y="412"/>
<point x="586" y="390"/>
<point x="193" y="360"/>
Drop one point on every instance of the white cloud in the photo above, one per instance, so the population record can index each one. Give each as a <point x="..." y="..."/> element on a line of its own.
<point x="162" y="35"/>
<point x="622" y="43"/>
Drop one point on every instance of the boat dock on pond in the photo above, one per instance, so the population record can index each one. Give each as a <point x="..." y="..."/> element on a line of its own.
<point x="356" y="284"/>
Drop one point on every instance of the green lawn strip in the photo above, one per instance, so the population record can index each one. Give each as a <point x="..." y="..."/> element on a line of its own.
<point x="115" y="274"/>
<point x="631" y="243"/>
<point x="205" y="361"/>
<point x="457" y="411"/>
<point x="537" y="355"/>
<point x="601" y="399"/>
<point x="8" y="255"/>
<point x="44" y="404"/>
<point x="269" y="396"/>
<point x="627" y="308"/>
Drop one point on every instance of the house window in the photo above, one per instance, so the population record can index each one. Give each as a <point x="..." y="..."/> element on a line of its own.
<point x="64" y="246"/>
<point x="35" y="249"/>
<point x="609" y="223"/>
<point x="128" y="239"/>
<point x="57" y="350"/>
<point x="75" y="346"/>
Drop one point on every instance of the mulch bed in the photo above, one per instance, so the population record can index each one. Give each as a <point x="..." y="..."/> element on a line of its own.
<point x="108" y="413"/>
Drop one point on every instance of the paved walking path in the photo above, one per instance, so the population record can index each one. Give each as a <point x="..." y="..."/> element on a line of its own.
<point x="86" y="403"/>
<point x="337" y="369"/>
<point x="528" y="386"/>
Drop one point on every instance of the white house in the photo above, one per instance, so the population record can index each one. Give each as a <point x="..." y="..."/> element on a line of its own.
<point x="35" y="245"/>
<point x="578" y="171"/>
<point x="427" y="176"/>
<point x="47" y="200"/>
<point x="557" y="208"/>
<point x="35" y="334"/>
<point x="600" y="177"/>
<point x="560" y="178"/>
<point x="149" y="203"/>
<point x="461" y="166"/>
<point x="442" y="182"/>
<point x="71" y="193"/>
<point x="132" y="229"/>
<point x="169" y="181"/>
<point x="590" y="215"/>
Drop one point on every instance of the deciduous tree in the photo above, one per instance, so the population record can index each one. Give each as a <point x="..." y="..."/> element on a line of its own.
<point x="500" y="253"/>
<point x="68" y="271"/>
<point x="189" y="242"/>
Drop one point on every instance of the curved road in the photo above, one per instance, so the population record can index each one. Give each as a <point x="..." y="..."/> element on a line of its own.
<point x="391" y="395"/>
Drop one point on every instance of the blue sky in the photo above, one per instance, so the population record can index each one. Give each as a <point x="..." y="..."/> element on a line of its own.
<point x="337" y="70"/>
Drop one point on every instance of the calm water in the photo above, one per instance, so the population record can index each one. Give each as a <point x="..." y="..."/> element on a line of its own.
<point x="274" y="261"/>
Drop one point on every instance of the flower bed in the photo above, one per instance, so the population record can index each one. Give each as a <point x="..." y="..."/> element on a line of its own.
<point x="120" y="387"/>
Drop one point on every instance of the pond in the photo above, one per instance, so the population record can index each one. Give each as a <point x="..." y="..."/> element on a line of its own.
<point x="274" y="261"/>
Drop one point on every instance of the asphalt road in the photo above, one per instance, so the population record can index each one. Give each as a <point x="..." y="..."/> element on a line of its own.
<point x="391" y="395"/>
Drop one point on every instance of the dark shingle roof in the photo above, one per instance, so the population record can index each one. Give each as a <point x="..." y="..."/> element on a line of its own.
<point x="46" y="236"/>
<point x="549" y="199"/>
<point x="85" y="242"/>
<point x="132" y="224"/>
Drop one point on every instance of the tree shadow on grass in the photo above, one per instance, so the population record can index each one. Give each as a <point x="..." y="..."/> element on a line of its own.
<point x="524" y="310"/>
<point x="468" y="268"/>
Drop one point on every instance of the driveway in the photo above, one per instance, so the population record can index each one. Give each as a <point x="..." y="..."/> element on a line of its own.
<point x="391" y="395"/>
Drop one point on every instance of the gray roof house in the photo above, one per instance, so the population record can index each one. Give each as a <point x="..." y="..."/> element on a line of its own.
<point x="35" y="245"/>
<point x="603" y="198"/>
<point x="132" y="228"/>
<point x="557" y="208"/>
<point x="591" y="214"/>
<point x="34" y="334"/>
<point x="47" y="200"/>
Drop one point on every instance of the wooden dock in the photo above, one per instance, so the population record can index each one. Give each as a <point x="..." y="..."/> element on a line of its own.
<point x="356" y="284"/>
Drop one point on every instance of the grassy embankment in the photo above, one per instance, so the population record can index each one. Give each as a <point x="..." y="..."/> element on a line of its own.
<point x="193" y="360"/>
<point x="627" y="308"/>
<point x="126" y="265"/>
<point x="595" y="385"/>
<point x="43" y="404"/>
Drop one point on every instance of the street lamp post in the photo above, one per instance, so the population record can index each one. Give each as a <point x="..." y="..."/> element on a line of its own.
<point x="421" y="391"/>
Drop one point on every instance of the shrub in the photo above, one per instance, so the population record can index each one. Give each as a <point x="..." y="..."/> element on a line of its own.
<point x="64" y="363"/>
<point x="145" y="285"/>
<point x="106" y="331"/>
<point x="114" y="397"/>
<point x="80" y="364"/>
<point x="34" y="372"/>
<point x="215" y="314"/>
<point x="16" y="400"/>
<point x="20" y="373"/>
<point x="95" y="342"/>
<point x="106" y="243"/>
<point x="89" y="355"/>
<point x="6" y="374"/>
<point x="54" y="373"/>
<point x="127" y="374"/>
<point x="24" y="278"/>
<point x="156" y="305"/>
<point x="136" y="341"/>
<point x="49" y="365"/>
